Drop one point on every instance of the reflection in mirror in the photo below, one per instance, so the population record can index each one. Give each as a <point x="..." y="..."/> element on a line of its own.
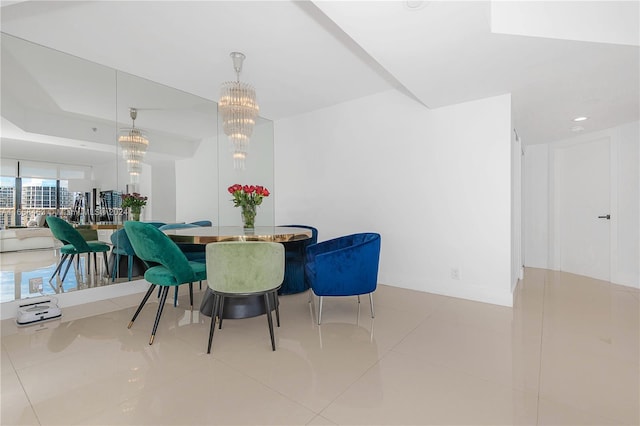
<point x="61" y="116"/>
<point x="176" y="124"/>
<point x="58" y="124"/>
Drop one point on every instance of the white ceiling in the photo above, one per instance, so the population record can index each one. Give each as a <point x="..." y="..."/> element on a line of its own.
<point x="302" y="56"/>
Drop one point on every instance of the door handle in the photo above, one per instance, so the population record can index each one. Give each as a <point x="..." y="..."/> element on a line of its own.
<point x="608" y="217"/>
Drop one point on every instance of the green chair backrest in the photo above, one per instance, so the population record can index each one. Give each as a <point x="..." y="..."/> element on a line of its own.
<point x="244" y="267"/>
<point x="63" y="231"/>
<point x="154" y="247"/>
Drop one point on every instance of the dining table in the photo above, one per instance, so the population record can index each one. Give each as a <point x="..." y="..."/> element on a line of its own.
<point x="247" y="306"/>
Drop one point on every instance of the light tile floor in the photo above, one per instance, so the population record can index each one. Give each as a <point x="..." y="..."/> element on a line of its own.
<point x="567" y="353"/>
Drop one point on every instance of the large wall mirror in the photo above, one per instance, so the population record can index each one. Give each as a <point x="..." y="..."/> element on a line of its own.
<point x="61" y="117"/>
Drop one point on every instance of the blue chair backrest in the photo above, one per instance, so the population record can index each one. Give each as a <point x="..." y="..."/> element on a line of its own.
<point x="121" y="242"/>
<point x="345" y="265"/>
<point x="177" y="226"/>
<point x="156" y="224"/>
<point x="202" y="223"/>
<point x="314" y="232"/>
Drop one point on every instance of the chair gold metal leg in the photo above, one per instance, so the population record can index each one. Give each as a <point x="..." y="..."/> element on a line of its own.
<point x="144" y="300"/>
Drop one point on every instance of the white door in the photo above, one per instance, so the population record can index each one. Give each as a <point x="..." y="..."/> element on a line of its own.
<point x="583" y="184"/>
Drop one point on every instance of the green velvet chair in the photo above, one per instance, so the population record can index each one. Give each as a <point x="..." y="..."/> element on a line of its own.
<point x="75" y="245"/>
<point x="168" y="266"/>
<point x="241" y="269"/>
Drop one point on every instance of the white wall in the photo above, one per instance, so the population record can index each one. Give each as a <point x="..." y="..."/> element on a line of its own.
<point x="196" y="184"/>
<point x="627" y="262"/>
<point x="436" y="184"/>
<point x="516" y="210"/>
<point x="110" y="176"/>
<point x="536" y="206"/>
<point x="162" y="193"/>
<point x="259" y="170"/>
<point x="625" y="224"/>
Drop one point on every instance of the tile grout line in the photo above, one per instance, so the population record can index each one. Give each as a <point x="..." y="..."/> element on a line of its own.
<point x="544" y="289"/>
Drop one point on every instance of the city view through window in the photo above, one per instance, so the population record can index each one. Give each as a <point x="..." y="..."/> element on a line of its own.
<point x="35" y="197"/>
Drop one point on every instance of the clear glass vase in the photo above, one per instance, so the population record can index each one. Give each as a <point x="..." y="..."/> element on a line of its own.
<point x="248" y="214"/>
<point x="135" y="213"/>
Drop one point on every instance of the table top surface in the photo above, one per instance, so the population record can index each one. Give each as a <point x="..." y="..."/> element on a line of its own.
<point x="99" y="225"/>
<point x="212" y="234"/>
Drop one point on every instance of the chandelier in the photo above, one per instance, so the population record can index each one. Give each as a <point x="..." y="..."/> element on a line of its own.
<point x="134" y="145"/>
<point x="239" y="111"/>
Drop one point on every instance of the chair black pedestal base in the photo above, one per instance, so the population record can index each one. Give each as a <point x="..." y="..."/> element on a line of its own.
<point x="237" y="307"/>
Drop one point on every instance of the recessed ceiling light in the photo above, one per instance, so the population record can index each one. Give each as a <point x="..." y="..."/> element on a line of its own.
<point x="580" y="118"/>
<point x="415" y="4"/>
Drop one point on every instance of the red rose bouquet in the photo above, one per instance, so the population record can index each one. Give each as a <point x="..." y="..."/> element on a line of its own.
<point x="247" y="197"/>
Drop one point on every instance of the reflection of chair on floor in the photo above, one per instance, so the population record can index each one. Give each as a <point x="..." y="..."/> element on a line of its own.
<point x="294" y="262"/>
<point x="241" y="269"/>
<point x="344" y="266"/>
<point x="168" y="267"/>
<point x="122" y="247"/>
<point x="75" y="245"/>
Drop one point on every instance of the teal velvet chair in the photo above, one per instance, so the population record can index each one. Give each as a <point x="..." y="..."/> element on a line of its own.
<point x="75" y="245"/>
<point x="194" y="252"/>
<point x="241" y="269"/>
<point x="295" y="253"/>
<point x="122" y="247"/>
<point x="344" y="266"/>
<point x="168" y="266"/>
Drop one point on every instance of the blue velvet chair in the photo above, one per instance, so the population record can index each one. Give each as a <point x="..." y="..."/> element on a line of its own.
<point x="344" y="266"/>
<point x="121" y="247"/>
<point x="294" y="281"/>
<point x="168" y="266"/>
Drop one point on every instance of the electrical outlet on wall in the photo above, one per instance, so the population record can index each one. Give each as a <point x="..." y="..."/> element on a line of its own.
<point x="35" y="285"/>
<point x="455" y="273"/>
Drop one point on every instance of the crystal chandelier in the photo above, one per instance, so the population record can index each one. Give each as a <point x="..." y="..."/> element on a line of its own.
<point x="239" y="112"/>
<point x="134" y="145"/>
